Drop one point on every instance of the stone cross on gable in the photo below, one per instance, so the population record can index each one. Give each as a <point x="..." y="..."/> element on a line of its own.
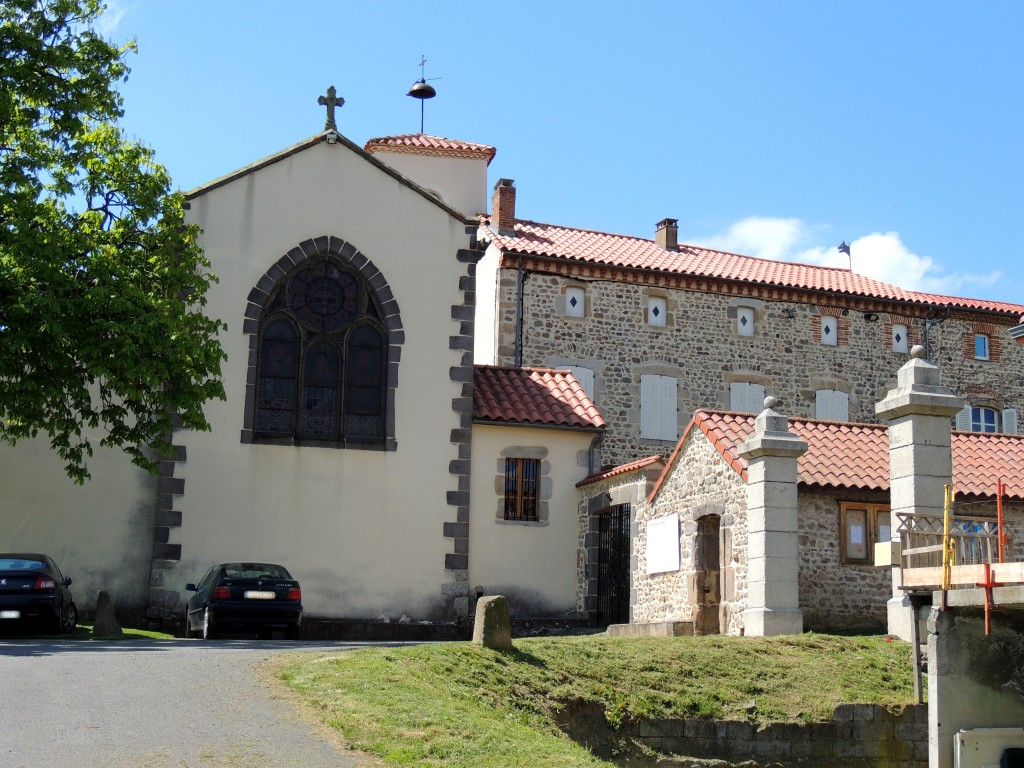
<point x="331" y="100"/>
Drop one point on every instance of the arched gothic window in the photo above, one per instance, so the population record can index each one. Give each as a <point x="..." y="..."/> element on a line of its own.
<point x="321" y="360"/>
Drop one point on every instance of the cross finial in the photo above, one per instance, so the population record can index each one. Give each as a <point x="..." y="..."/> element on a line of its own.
<point x="331" y="100"/>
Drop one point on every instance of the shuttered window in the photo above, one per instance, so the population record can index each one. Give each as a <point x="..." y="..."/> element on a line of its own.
<point x="831" y="404"/>
<point x="899" y="337"/>
<point x="585" y="376"/>
<point x="657" y="311"/>
<point x="829" y="331"/>
<point x="658" y="414"/>
<point x="746" y="397"/>
<point x="575" y="302"/>
<point x="745" y="321"/>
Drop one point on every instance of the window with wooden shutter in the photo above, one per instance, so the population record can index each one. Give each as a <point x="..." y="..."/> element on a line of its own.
<point x="745" y="321"/>
<point x="831" y="404"/>
<point x="657" y="311"/>
<point x="746" y="397"/>
<point x="585" y="376"/>
<point x="829" y="331"/>
<point x="575" y="302"/>
<point x="658" y="409"/>
<point x="899" y="338"/>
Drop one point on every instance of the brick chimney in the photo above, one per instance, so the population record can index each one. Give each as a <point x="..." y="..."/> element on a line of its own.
<point x="667" y="234"/>
<point x="503" y="207"/>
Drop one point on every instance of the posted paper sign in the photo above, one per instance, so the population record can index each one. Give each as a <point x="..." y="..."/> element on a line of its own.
<point x="663" y="544"/>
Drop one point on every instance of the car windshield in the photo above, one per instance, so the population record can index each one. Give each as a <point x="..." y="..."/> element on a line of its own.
<point x="20" y="564"/>
<point x="254" y="571"/>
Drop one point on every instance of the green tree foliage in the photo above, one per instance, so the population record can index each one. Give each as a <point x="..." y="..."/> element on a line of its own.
<point x="102" y="284"/>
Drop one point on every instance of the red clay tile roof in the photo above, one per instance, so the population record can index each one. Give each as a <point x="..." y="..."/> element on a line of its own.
<point x="432" y="146"/>
<point x="621" y="469"/>
<point x="601" y="248"/>
<point x="532" y="396"/>
<point x="852" y="456"/>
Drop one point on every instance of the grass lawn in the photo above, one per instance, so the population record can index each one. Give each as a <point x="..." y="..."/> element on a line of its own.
<point x="455" y="704"/>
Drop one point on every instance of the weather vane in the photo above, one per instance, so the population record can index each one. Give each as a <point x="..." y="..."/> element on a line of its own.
<point x="844" y="248"/>
<point x="422" y="90"/>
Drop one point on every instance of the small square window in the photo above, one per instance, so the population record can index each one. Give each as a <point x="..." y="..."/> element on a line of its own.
<point x="575" y="302"/>
<point x="899" y="338"/>
<point x="745" y="321"/>
<point x="981" y="346"/>
<point x="657" y="311"/>
<point x="829" y="331"/>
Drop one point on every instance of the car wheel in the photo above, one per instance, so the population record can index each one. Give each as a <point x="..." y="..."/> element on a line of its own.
<point x="208" y="628"/>
<point x="69" y="618"/>
<point x="291" y="632"/>
<point x="188" y="629"/>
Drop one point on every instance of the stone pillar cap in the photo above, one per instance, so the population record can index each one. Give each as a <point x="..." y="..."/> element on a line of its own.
<point x="771" y="435"/>
<point x="918" y="391"/>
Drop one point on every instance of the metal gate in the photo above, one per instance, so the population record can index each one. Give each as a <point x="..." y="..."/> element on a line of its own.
<point x="613" y="565"/>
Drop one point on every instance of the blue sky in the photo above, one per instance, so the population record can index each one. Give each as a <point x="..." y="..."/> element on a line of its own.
<point x="772" y="129"/>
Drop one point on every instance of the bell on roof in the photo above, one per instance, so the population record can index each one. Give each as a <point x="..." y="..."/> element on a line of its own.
<point x="422" y="90"/>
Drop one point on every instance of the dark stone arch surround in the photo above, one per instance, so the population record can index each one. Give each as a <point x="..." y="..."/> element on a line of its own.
<point x="392" y="320"/>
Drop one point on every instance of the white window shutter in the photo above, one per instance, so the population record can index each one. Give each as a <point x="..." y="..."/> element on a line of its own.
<point x="585" y="376"/>
<point x="746" y="397"/>
<point x="899" y="337"/>
<point x="829" y="331"/>
<point x="649" y="418"/>
<point x="1010" y="421"/>
<point x="745" y="321"/>
<point x="669" y="417"/>
<point x="963" y="419"/>
<point x="657" y="311"/>
<point x="658" y="407"/>
<point x="832" y="405"/>
<point x="575" y="302"/>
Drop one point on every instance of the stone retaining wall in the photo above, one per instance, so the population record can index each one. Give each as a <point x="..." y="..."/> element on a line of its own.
<point x="858" y="735"/>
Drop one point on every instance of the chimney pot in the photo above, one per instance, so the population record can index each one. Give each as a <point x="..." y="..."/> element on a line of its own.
<point x="666" y="234"/>
<point x="503" y="207"/>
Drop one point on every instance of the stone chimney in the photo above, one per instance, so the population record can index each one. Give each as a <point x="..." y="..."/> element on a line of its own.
<point x="503" y="207"/>
<point x="667" y="234"/>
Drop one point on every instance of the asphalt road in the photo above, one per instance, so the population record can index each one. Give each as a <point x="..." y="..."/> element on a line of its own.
<point x="152" y="704"/>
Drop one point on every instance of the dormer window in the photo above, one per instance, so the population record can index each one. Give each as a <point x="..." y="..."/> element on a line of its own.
<point x="829" y="331"/>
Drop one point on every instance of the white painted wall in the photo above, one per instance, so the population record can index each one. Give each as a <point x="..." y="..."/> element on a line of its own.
<point x="362" y="530"/>
<point x="460" y="181"/>
<point x="100" y="533"/>
<point x="485" y="328"/>
<point x="533" y="565"/>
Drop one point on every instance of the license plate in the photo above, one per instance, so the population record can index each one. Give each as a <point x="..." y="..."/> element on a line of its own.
<point x="259" y="594"/>
<point x="10" y="614"/>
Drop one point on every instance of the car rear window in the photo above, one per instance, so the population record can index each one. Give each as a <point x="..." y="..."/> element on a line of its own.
<point x="255" y="571"/>
<point x="17" y="564"/>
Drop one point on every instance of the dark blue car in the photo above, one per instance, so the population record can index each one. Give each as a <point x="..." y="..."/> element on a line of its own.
<point x="244" y="597"/>
<point x="34" y="594"/>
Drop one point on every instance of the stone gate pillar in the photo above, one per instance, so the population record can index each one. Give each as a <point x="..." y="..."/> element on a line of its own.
<point x="920" y="458"/>
<point x="773" y="566"/>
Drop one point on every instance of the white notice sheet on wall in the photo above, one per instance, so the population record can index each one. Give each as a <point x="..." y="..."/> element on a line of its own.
<point x="663" y="544"/>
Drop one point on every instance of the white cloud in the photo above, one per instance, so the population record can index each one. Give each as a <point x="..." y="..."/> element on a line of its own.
<point x="109" y="20"/>
<point x="880" y="256"/>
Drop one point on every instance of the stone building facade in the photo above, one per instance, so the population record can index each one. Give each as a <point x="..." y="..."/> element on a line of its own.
<point x="723" y="331"/>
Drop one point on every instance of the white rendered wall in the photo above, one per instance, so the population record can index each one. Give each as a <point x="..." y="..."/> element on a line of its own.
<point x="461" y="182"/>
<point x="533" y="565"/>
<point x="100" y="533"/>
<point x="361" y="529"/>
<point x="484" y="329"/>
